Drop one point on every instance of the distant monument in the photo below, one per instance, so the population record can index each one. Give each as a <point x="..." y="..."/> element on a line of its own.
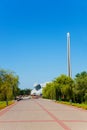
<point x="37" y="90"/>
<point x="68" y="55"/>
<point x="37" y="87"/>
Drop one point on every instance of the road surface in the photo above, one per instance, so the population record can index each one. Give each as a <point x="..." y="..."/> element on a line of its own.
<point x="42" y="114"/>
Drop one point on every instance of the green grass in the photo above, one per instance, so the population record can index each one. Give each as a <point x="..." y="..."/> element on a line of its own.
<point x="83" y="106"/>
<point x="3" y="104"/>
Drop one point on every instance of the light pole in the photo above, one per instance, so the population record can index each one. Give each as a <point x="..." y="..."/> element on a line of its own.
<point x="68" y="55"/>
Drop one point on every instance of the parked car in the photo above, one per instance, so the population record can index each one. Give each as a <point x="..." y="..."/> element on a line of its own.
<point x="18" y="98"/>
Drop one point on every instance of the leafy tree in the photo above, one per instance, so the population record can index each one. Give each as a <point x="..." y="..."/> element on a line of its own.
<point x="47" y="91"/>
<point x="60" y="88"/>
<point x="66" y="86"/>
<point x="85" y="97"/>
<point x="80" y="86"/>
<point x="25" y="92"/>
<point x="8" y="85"/>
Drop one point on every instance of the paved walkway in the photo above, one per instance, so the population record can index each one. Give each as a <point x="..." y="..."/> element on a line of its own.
<point x="41" y="114"/>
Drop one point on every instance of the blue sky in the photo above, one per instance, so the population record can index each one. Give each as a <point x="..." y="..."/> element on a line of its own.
<point x="33" y="38"/>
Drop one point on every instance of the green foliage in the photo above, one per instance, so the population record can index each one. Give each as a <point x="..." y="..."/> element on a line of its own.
<point x="67" y="89"/>
<point x="85" y="97"/>
<point x="8" y="85"/>
<point x="80" y="87"/>
<point x="3" y="104"/>
<point x="66" y="86"/>
<point x="47" y="91"/>
<point x="24" y="91"/>
<point x="60" y="88"/>
<point x="84" y="106"/>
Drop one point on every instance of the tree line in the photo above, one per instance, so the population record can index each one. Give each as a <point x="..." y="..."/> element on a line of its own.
<point x="67" y="89"/>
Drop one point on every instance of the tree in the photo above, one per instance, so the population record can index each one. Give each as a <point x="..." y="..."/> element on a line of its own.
<point x="8" y="85"/>
<point x="25" y="91"/>
<point x="80" y="86"/>
<point x="60" y="88"/>
<point x="85" y="97"/>
<point x="14" y="80"/>
<point x="47" y="91"/>
<point x="65" y="84"/>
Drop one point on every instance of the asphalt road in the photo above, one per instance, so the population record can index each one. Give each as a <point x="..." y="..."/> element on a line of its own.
<point x="42" y="114"/>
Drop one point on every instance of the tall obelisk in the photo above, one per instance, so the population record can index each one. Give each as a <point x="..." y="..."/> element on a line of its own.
<point x="68" y="55"/>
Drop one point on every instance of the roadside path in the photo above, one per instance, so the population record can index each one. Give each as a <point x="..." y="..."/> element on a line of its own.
<point x="42" y="114"/>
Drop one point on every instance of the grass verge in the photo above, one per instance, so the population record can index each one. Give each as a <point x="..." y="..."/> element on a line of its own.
<point x="3" y="104"/>
<point x="83" y="106"/>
